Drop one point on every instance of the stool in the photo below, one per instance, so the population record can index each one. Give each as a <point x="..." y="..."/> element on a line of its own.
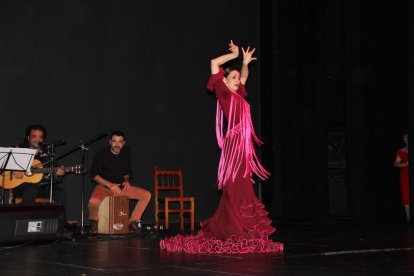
<point x="18" y="200"/>
<point x="114" y="215"/>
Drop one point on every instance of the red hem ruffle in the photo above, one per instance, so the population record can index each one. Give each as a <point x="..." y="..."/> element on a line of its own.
<point x="201" y="244"/>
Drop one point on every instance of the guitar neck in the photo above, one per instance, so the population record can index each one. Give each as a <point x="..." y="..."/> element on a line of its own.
<point x="49" y="170"/>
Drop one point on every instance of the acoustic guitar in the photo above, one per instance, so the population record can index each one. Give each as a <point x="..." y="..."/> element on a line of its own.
<point x="36" y="175"/>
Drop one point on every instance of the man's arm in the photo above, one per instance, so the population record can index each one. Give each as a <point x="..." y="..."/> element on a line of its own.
<point x="126" y="178"/>
<point x="102" y="181"/>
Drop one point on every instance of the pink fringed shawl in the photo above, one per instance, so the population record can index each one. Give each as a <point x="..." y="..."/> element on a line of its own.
<point x="238" y="140"/>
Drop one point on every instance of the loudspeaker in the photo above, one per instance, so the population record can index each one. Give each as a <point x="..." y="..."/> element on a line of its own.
<point x="31" y="222"/>
<point x="113" y="215"/>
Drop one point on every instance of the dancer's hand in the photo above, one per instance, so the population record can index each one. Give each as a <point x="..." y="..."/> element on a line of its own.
<point x="234" y="49"/>
<point x="248" y="55"/>
<point x="218" y="61"/>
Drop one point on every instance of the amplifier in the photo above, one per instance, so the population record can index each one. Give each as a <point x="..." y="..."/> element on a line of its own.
<point x="31" y="222"/>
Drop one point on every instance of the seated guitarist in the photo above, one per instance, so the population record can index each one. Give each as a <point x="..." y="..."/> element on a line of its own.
<point x="35" y="137"/>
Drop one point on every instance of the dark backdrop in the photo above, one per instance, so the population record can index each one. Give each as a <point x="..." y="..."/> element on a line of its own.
<point x="337" y="104"/>
<point x="330" y="93"/>
<point x="86" y="67"/>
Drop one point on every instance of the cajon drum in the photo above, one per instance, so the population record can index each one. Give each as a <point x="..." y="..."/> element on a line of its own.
<point x="114" y="215"/>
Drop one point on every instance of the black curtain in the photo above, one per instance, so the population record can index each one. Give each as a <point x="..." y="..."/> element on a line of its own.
<point x="84" y="67"/>
<point x="330" y="92"/>
<point x="334" y="104"/>
<point x="410" y="88"/>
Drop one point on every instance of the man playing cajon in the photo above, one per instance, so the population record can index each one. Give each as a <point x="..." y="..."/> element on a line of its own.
<point x="111" y="171"/>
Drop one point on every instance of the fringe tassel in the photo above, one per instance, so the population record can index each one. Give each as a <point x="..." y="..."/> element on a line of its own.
<point x="238" y="144"/>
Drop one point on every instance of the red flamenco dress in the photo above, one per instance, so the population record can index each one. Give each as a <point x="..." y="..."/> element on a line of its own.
<point x="240" y="223"/>
<point x="404" y="173"/>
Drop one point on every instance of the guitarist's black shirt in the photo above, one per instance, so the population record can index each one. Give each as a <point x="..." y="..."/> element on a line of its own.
<point x="112" y="167"/>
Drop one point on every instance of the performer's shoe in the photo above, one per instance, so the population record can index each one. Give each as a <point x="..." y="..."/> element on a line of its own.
<point x="135" y="226"/>
<point x="94" y="227"/>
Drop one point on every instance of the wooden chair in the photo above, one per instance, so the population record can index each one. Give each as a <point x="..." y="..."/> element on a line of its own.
<point x="168" y="188"/>
<point x="18" y="200"/>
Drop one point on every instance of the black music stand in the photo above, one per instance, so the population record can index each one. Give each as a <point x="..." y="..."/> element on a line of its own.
<point x="14" y="159"/>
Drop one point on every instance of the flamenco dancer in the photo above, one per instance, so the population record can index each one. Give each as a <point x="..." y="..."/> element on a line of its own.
<point x="240" y="223"/>
<point x="401" y="161"/>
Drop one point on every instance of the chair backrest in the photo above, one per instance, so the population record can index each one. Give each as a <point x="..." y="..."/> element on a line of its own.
<point x="168" y="180"/>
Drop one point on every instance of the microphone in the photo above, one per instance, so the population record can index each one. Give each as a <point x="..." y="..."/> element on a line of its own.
<point x="42" y="145"/>
<point x="43" y="149"/>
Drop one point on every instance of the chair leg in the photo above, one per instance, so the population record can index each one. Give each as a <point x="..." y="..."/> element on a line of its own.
<point x="166" y="213"/>
<point x="192" y="215"/>
<point x="182" y="221"/>
<point x="181" y="216"/>
<point x="156" y="217"/>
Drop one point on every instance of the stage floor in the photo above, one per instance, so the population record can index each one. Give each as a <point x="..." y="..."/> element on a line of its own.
<point x="319" y="249"/>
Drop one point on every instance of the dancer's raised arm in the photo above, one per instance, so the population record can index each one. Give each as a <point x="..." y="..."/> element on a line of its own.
<point x="247" y="58"/>
<point x="218" y="61"/>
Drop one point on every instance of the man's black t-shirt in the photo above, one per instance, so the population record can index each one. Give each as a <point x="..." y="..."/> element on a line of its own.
<point x="112" y="167"/>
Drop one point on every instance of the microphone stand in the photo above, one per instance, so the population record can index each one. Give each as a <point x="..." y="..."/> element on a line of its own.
<point x="51" y="151"/>
<point x="2" y="169"/>
<point x="52" y="156"/>
<point x="82" y="146"/>
<point x="84" y="186"/>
